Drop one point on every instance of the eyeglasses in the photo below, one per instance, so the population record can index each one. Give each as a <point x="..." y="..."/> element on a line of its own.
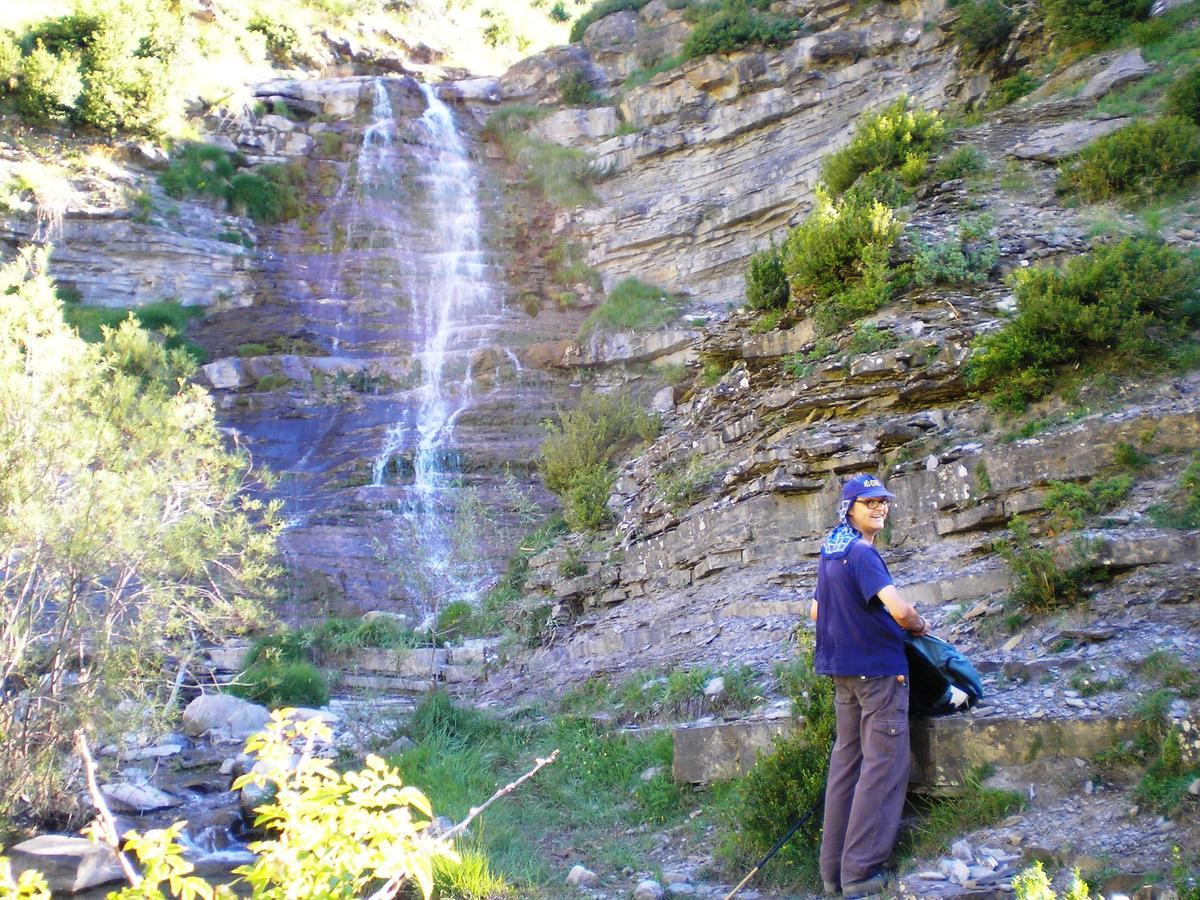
<point x="876" y="502"/>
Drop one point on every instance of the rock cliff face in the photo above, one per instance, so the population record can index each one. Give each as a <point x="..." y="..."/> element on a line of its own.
<point x="715" y="158"/>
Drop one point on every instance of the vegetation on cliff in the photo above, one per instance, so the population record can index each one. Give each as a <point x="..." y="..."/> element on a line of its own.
<point x="125" y="532"/>
<point x="580" y="449"/>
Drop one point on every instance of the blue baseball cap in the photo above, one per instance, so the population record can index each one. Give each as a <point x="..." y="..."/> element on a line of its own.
<point x="864" y="486"/>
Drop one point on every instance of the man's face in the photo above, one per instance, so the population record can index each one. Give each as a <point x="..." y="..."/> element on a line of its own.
<point x="867" y="520"/>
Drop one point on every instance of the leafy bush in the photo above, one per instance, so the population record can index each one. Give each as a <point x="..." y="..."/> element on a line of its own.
<point x="50" y="84"/>
<point x="1183" y="96"/>
<point x="1070" y="504"/>
<point x="960" y="163"/>
<point x="870" y="338"/>
<point x="1033" y="884"/>
<point x="967" y="259"/>
<point x="734" y="24"/>
<point x="766" y="282"/>
<point x="454" y="619"/>
<point x="108" y="66"/>
<point x="10" y="62"/>
<point x="168" y="548"/>
<point x="282" y="40"/>
<point x="1183" y="508"/>
<point x="579" y="449"/>
<point x="684" y="483"/>
<point x="632" y="305"/>
<point x="787" y="781"/>
<point x="1009" y="90"/>
<point x="1145" y="159"/>
<point x="836" y="260"/>
<point x="574" y="89"/>
<point x="279" y="684"/>
<point x="1093" y="21"/>
<point x="983" y="25"/>
<point x="268" y="195"/>
<point x="202" y="169"/>
<point x="883" y="141"/>
<point x="1130" y="301"/>
<point x="1037" y="583"/>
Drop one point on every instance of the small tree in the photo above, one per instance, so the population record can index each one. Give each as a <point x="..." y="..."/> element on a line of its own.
<point x="125" y="535"/>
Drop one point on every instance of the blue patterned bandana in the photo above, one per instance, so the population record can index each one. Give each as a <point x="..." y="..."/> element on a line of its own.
<point x="845" y="534"/>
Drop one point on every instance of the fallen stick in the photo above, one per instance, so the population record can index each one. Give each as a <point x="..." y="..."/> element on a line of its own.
<point x="105" y="828"/>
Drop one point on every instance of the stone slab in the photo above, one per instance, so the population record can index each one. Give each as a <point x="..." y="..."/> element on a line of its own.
<point x="718" y="752"/>
<point x="1060" y="141"/>
<point x="70" y="864"/>
<point x="946" y="749"/>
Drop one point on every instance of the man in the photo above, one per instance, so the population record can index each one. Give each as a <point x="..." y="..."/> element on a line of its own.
<point x="861" y="624"/>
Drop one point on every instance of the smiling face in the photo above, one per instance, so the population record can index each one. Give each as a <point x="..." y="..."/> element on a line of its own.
<point x="869" y="521"/>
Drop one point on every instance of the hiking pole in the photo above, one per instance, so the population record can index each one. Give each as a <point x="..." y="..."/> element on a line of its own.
<point x="778" y="846"/>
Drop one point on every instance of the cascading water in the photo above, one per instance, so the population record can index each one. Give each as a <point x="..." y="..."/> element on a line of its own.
<point x="454" y="308"/>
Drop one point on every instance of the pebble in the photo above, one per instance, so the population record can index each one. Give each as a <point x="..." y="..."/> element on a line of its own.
<point x="648" y="890"/>
<point x="680" y="888"/>
<point x="962" y="850"/>
<point x="931" y="876"/>
<point x="1194" y="788"/>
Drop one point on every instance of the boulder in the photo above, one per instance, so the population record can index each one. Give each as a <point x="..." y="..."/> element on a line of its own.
<point x="225" y="715"/>
<point x="1060" y="141"/>
<point x="648" y="890"/>
<point x="228" y="374"/>
<point x="571" y="127"/>
<point x="579" y="876"/>
<point x="70" y="864"/>
<point x="137" y="798"/>
<point x="1125" y="68"/>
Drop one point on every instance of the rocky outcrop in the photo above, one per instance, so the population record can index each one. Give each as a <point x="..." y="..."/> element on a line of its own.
<point x="722" y="152"/>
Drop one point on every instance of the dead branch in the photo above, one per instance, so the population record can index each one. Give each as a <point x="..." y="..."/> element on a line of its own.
<point x="389" y="890"/>
<point x="106" y="828"/>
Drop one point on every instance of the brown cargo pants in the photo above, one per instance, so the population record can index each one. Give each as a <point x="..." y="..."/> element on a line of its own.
<point x="868" y="776"/>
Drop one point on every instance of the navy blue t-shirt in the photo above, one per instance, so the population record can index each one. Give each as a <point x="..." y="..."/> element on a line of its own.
<point x="856" y="635"/>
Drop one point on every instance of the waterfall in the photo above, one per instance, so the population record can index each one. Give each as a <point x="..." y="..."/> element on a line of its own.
<point x="454" y="308"/>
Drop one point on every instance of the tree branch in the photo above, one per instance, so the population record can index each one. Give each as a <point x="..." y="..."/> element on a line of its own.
<point x="389" y="890"/>
<point x="106" y="829"/>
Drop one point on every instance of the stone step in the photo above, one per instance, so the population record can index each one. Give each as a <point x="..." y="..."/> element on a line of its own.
<point x="944" y="750"/>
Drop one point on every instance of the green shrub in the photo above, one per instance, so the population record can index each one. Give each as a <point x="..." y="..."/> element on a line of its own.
<point x="574" y="89"/>
<point x="1183" y="96"/>
<point x="967" y="259"/>
<point x="1070" y="503"/>
<point x="1145" y="159"/>
<point x="785" y="782"/>
<point x="883" y="141"/>
<point x="631" y="305"/>
<point x="1093" y="21"/>
<point x="959" y="163"/>
<point x="198" y="169"/>
<point x="578" y="452"/>
<point x="983" y="25"/>
<point x="10" y="62"/>
<point x="837" y="260"/>
<point x="1038" y="584"/>
<point x="558" y="12"/>
<point x="562" y="175"/>
<point x="734" y="24"/>
<point x="455" y="619"/>
<point x="276" y="684"/>
<point x="270" y="194"/>
<point x="122" y="54"/>
<point x="944" y="819"/>
<point x="1130" y="302"/>
<point x="50" y="84"/>
<point x="1033" y="884"/>
<point x="682" y="484"/>
<point x="282" y="40"/>
<point x="1009" y="90"/>
<point x="766" y="282"/>
<point x="1183" y="508"/>
<point x="870" y="338"/>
